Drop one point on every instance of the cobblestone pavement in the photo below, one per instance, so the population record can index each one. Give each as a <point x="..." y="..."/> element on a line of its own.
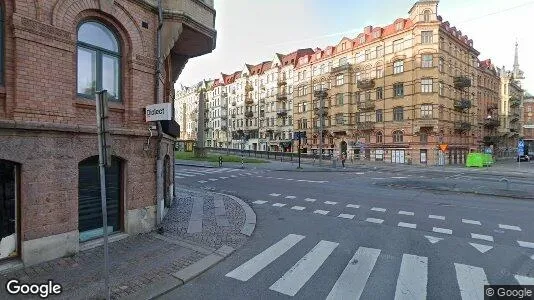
<point x="139" y="261"/>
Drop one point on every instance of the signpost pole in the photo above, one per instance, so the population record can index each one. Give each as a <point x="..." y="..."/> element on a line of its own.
<point x="104" y="157"/>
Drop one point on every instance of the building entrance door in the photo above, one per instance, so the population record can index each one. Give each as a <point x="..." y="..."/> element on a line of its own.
<point x="8" y="209"/>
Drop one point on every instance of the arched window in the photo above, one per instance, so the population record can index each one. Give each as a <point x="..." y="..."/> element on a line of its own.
<point x="98" y="61"/>
<point x="397" y="136"/>
<point x="379" y="137"/>
<point x="426" y="16"/>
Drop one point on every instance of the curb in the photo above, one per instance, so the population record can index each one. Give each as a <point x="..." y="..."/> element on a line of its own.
<point x="212" y="258"/>
<point x="193" y="165"/>
<point x="519" y="197"/>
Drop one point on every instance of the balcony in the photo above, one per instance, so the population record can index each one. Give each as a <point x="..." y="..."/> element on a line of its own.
<point x="491" y="123"/>
<point x="281" y="96"/>
<point x="320" y="94"/>
<point x="224" y="106"/>
<point x="224" y="94"/>
<point x="514" y="118"/>
<point x="462" y="126"/>
<point x="224" y="128"/>
<point x="282" y="81"/>
<point x="341" y="68"/>
<point x="461" y="82"/>
<point x="249" y="88"/>
<point x="365" y="126"/>
<point x="224" y="117"/>
<point x="234" y="103"/>
<point x="366" y="105"/>
<point x="281" y="113"/>
<point x="426" y="121"/>
<point x="366" y="84"/>
<point x="462" y="104"/>
<point x="233" y="115"/>
<point x="249" y="101"/>
<point x="514" y="102"/>
<point x="249" y="114"/>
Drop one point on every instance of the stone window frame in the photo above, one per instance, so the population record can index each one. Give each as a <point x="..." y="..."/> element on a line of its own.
<point x="398" y="136"/>
<point x="398" y="66"/>
<point x="398" y="114"/>
<point x="379" y="137"/>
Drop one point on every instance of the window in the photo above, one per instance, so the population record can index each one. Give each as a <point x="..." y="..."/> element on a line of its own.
<point x="368" y="96"/>
<point x="426" y="111"/>
<point x="398" y="67"/>
<point x="304" y="123"/>
<point x="379" y="93"/>
<point x="427" y="37"/>
<point x="398" y="114"/>
<point x="441" y="89"/>
<point x="339" y="99"/>
<point x="339" y="119"/>
<point x="379" y="51"/>
<point x="398" y="90"/>
<point x="362" y="39"/>
<point x="376" y="34"/>
<point x="379" y="115"/>
<point x="398" y="26"/>
<point x="342" y="61"/>
<point x="423" y="137"/>
<point x="98" y="61"/>
<point x="426" y="85"/>
<point x="340" y="79"/>
<point x="426" y="61"/>
<point x="367" y="54"/>
<point x="398" y="45"/>
<point x="314" y="71"/>
<point x="397" y="136"/>
<point x="379" y="137"/>
<point x="426" y="16"/>
<point x="358" y="76"/>
<point x="321" y="69"/>
<point x="441" y="65"/>
<point x="304" y="106"/>
<point x="343" y="46"/>
<point x="379" y="72"/>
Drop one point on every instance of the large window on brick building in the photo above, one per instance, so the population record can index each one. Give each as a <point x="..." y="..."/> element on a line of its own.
<point x="98" y="61"/>
<point x="397" y="136"/>
<point x="398" y="113"/>
<point x="1" y="45"/>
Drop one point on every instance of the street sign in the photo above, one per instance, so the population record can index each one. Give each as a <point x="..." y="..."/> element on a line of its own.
<point x="443" y="147"/>
<point x="158" y="112"/>
<point x="520" y="148"/>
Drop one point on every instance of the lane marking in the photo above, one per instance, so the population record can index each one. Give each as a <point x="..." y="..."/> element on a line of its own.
<point x="413" y="276"/>
<point x="310" y="199"/>
<point x="407" y="225"/>
<point x="488" y="238"/>
<point x="406" y="213"/>
<point x="202" y="181"/>
<point x="399" y="177"/>
<point x="250" y="268"/>
<point x="330" y="202"/>
<point x="433" y="239"/>
<point x="289" y="179"/>
<point x="471" y="280"/>
<point x="524" y="280"/>
<point x="213" y="179"/>
<point x="353" y="206"/>
<point x="351" y="283"/>
<point x="290" y="197"/>
<point x="233" y="176"/>
<point x="223" y="177"/>
<point x="295" y="278"/>
<point x="373" y="220"/>
<point x="298" y="207"/>
<point x="509" y="227"/>
<point x="259" y="202"/>
<point x="346" y="216"/>
<point x="274" y="195"/>
<point x="442" y="230"/>
<point x="279" y="204"/>
<point x="321" y="212"/>
<point x="436" y="217"/>
<point x="526" y="244"/>
<point x="179" y="177"/>
<point x="473" y="222"/>
<point x="184" y="174"/>
<point x="481" y="248"/>
<point x="379" y="209"/>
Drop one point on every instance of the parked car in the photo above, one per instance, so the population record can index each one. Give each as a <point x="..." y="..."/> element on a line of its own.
<point x="525" y="158"/>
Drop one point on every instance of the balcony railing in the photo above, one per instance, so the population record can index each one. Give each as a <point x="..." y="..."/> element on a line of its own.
<point x="224" y="117"/>
<point x="282" y="81"/>
<point x="234" y="103"/>
<point x="249" y="101"/>
<point x="249" y="114"/>
<point x="233" y="115"/>
<point x="461" y="82"/>
<point x="281" y="112"/>
<point x="491" y="123"/>
<point x="224" y="128"/>
<point x="249" y="88"/>
<point x="318" y="111"/>
<point x="462" y="126"/>
<point x="224" y="94"/>
<point x="514" y="102"/>
<point x="224" y="106"/>
<point x="462" y="104"/>
<point x="366" y="84"/>
<point x="341" y="68"/>
<point x="320" y="93"/>
<point x="427" y="121"/>
<point x="281" y="96"/>
<point x="366" y="105"/>
<point x="367" y="125"/>
<point x="514" y="118"/>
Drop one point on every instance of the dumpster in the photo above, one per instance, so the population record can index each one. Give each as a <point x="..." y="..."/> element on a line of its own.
<point x="475" y="160"/>
<point x="488" y="160"/>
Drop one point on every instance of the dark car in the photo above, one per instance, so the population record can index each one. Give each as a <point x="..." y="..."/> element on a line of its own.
<point x="525" y="158"/>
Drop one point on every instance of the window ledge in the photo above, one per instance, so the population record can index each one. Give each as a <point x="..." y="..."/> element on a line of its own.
<point x="88" y="103"/>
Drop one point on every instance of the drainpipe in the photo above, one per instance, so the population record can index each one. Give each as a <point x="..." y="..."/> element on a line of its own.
<point x="159" y="160"/>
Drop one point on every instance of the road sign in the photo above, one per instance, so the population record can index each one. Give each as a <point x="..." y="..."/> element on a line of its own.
<point x="158" y="112"/>
<point x="443" y="147"/>
<point x="520" y="148"/>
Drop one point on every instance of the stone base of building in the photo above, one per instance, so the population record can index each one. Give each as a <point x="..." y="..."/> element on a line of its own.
<point x="50" y="247"/>
<point x="140" y="220"/>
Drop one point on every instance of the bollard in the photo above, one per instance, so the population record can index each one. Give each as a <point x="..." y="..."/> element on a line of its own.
<point x="242" y="163"/>
<point x="507" y="182"/>
<point x="220" y="161"/>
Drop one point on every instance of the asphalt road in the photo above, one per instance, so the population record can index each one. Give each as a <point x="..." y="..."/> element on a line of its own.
<point x="350" y="235"/>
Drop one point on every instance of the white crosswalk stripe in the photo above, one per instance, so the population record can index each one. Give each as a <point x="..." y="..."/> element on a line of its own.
<point x="295" y="278"/>
<point x="412" y="280"/>
<point x="509" y="227"/>
<point x="351" y="283"/>
<point x="470" y="280"/>
<point x="262" y="260"/>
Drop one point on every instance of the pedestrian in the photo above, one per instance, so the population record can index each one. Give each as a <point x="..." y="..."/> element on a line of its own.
<point x="343" y="158"/>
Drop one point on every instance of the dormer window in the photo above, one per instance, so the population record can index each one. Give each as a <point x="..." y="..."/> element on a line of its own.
<point x="343" y="46"/>
<point x="362" y="39"/>
<point x="398" y="26"/>
<point x="376" y="34"/>
<point x="318" y="55"/>
<point x="426" y="16"/>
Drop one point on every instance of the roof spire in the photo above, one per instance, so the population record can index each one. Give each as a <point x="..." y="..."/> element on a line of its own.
<point x="518" y="74"/>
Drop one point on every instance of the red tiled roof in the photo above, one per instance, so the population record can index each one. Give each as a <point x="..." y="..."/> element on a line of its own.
<point x="260" y="68"/>
<point x="231" y="78"/>
<point x="293" y="57"/>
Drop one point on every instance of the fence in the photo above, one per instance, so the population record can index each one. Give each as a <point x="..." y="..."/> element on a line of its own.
<point x="282" y="156"/>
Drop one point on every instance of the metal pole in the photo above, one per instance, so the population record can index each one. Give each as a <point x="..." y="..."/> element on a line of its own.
<point x="102" y="170"/>
<point x="321" y="120"/>
<point x="299" y="151"/>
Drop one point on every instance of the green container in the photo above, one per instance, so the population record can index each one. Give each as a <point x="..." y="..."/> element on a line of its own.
<point x="488" y="160"/>
<point x="475" y="160"/>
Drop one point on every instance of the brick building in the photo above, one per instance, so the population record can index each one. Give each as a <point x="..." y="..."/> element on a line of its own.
<point x="528" y="122"/>
<point x="56" y="54"/>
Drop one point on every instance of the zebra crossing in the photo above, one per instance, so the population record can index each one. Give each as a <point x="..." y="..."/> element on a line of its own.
<point x="411" y="281"/>
<point x="183" y="173"/>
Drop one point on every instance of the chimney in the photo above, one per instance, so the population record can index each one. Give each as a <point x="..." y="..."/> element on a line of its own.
<point x="368" y="29"/>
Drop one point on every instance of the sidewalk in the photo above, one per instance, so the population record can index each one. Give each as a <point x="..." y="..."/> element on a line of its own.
<point x="146" y="265"/>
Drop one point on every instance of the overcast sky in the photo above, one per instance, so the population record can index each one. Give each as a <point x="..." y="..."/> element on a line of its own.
<point x="251" y="31"/>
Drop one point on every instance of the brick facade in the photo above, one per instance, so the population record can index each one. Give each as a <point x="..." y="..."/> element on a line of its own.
<point x="48" y="129"/>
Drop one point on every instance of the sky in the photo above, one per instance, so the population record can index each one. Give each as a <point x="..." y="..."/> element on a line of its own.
<point x="251" y="31"/>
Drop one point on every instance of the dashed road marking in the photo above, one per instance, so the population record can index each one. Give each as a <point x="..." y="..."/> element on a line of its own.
<point x="330" y="202"/>
<point x="202" y="181"/>
<point x="274" y="195"/>
<point x="279" y="204"/>
<point x="373" y="220"/>
<point x="436" y="217"/>
<point x="379" y="209"/>
<point x="213" y="179"/>
<point x="298" y="207"/>
<point x="259" y="202"/>
<point x="321" y="212"/>
<point x="488" y="238"/>
<point x="526" y="244"/>
<point x="473" y="222"/>
<point x="442" y="230"/>
<point x="509" y="227"/>
<point x="353" y="206"/>
<point x="290" y="197"/>
<point x="310" y="199"/>
<point x="407" y="225"/>
<point x="346" y="216"/>
<point x="406" y="213"/>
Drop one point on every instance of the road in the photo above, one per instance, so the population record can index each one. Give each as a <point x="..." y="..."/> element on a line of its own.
<point x="358" y="235"/>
